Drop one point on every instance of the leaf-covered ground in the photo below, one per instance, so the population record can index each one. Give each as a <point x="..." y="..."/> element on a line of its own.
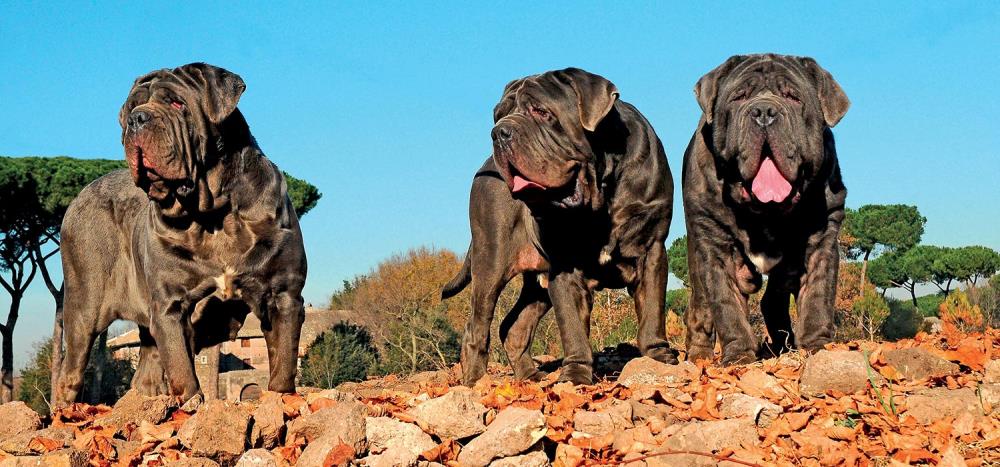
<point x="755" y="414"/>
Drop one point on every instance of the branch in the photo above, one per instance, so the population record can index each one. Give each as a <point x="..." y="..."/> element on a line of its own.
<point x="53" y="238"/>
<point x="37" y="251"/>
<point x="667" y="452"/>
<point x="7" y="286"/>
<point x="31" y="277"/>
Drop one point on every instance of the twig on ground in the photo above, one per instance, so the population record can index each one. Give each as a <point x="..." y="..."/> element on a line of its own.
<point x="667" y="452"/>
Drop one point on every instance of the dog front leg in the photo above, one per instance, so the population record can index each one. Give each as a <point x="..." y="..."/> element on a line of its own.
<point x="716" y="294"/>
<point x="282" y="337"/>
<point x="817" y="296"/>
<point x="650" y="301"/>
<point x="168" y="329"/>
<point x="571" y="301"/>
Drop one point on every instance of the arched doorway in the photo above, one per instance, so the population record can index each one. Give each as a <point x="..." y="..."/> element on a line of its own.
<point x="250" y="392"/>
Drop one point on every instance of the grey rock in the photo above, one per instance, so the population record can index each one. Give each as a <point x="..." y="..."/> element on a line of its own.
<point x="513" y="431"/>
<point x="759" y="410"/>
<point x="17" y="418"/>
<point x="645" y="370"/>
<point x="836" y="370"/>
<point x="455" y="415"/>
<point x="218" y="431"/>
<point x="916" y="363"/>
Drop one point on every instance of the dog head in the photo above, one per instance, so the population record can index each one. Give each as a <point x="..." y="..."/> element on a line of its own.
<point x="174" y="125"/>
<point x="767" y="119"/>
<point x="540" y="136"/>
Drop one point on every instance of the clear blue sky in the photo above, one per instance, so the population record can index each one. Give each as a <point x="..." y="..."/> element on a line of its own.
<point x="386" y="106"/>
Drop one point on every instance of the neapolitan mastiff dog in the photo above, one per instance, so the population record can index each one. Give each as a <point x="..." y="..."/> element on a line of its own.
<point x="763" y="195"/>
<point x="576" y="197"/>
<point x="196" y="233"/>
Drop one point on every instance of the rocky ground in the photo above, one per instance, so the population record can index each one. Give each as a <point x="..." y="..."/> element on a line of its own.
<point x="933" y="400"/>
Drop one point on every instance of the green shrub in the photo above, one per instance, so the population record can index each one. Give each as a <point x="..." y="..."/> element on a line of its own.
<point x="678" y="299"/>
<point x="930" y="305"/>
<point x="344" y="353"/>
<point x="625" y="330"/>
<point x="36" y="379"/>
<point x="988" y="299"/>
<point x="870" y="311"/>
<point x="904" y="320"/>
<point x="115" y="377"/>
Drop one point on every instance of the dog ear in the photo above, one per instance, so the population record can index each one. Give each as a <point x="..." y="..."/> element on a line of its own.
<point x="707" y="88"/>
<point x="595" y="96"/>
<point x="832" y="99"/>
<point x="220" y="88"/>
<point x="506" y="103"/>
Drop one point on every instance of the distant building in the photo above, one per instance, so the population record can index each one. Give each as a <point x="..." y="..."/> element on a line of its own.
<point x="238" y="369"/>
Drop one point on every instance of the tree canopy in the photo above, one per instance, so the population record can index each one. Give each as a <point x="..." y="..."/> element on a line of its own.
<point x="890" y="226"/>
<point x="55" y="181"/>
<point x="677" y="256"/>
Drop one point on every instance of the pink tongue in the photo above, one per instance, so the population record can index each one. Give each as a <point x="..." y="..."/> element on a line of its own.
<point x="769" y="185"/>
<point x="521" y="183"/>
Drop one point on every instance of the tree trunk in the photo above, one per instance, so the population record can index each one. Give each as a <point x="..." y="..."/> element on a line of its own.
<point x="57" y="345"/>
<point x="947" y="288"/>
<point x="7" y="368"/>
<point x="57" y="296"/>
<point x="413" y="356"/>
<point x="100" y="364"/>
<point x="864" y="271"/>
<point x="913" y="294"/>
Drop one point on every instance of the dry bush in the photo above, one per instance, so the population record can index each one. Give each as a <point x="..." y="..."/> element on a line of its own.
<point x="400" y="303"/>
<point x="958" y="311"/>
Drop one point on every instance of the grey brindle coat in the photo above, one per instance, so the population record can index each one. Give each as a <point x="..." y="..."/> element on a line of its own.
<point x="196" y="234"/>
<point x="756" y="107"/>
<point x="576" y="197"/>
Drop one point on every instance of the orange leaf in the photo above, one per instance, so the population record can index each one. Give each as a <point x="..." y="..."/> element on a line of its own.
<point x="43" y="445"/>
<point x="890" y="373"/>
<point x="292" y="404"/>
<point x="289" y="453"/>
<point x="444" y="452"/>
<point x="341" y="455"/>
<point x="841" y="433"/>
<point x="321" y="403"/>
<point x="798" y="421"/>
<point x="914" y="455"/>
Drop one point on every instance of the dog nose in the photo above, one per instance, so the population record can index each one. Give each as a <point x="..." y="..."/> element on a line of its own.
<point x="503" y="134"/>
<point x="764" y="114"/>
<point x="137" y="119"/>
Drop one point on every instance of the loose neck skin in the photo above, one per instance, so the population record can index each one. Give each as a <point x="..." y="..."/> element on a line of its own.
<point x="231" y="159"/>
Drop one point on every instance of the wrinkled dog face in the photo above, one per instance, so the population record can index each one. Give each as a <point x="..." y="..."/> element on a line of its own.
<point x="170" y="126"/>
<point x="769" y="116"/>
<point x="540" y="140"/>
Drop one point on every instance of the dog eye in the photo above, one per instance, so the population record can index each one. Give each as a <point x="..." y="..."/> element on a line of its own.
<point x="539" y="113"/>
<point x="174" y="103"/>
<point x="739" y="95"/>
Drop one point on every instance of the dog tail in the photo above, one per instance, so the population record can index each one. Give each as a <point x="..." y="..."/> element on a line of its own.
<point x="462" y="279"/>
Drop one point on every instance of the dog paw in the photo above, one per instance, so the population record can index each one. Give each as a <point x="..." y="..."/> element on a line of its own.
<point x="813" y="347"/>
<point x="533" y="375"/>
<point x="738" y="358"/>
<point x="695" y="354"/>
<point x="662" y="355"/>
<point x="771" y="350"/>
<point x="577" y="374"/>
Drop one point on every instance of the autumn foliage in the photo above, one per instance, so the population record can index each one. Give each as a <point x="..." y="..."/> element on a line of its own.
<point x="874" y="426"/>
